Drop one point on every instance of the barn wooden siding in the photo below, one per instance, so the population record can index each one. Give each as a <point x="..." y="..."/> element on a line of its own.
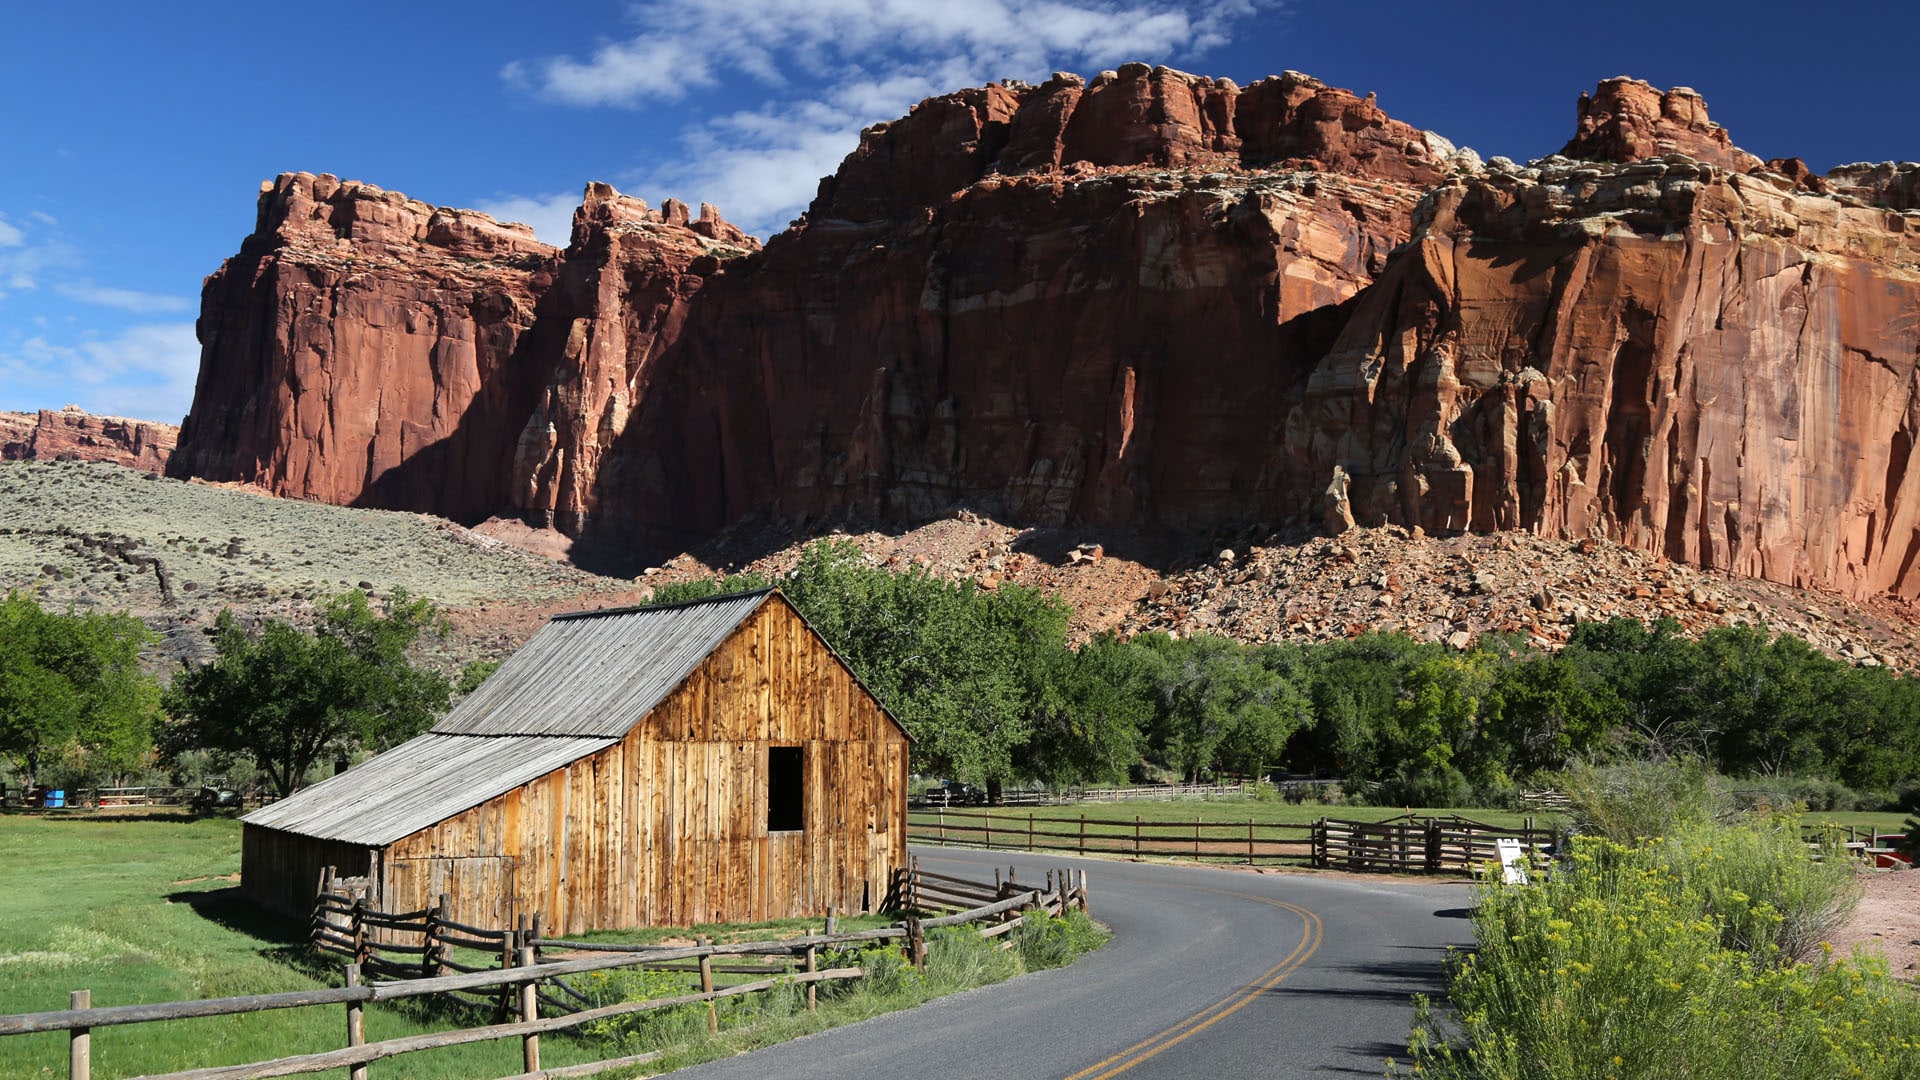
<point x="668" y="826"/>
<point x="282" y="869"/>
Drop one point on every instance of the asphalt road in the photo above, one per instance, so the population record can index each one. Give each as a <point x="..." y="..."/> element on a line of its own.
<point x="1211" y="973"/>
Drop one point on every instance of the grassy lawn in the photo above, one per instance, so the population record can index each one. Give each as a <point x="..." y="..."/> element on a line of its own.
<point x="145" y="909"/>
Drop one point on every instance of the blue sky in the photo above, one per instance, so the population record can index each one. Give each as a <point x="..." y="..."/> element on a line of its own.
<point x="137" y="134"/>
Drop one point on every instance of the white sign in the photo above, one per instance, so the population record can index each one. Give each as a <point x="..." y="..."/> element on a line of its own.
<point x="1513" y="861"/>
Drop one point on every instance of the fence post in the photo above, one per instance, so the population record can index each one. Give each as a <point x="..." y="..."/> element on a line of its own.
<point x="430" y="938"/>
<point x="706" y="986"/>
<point x="356" y="1023"/>
<point x="1136" y="836"/>
<point x="1029" y="830"/>
<point x="361" y="950"/>
<point x="80" y="1044"/>
<point x="1433" y="846"/>
<point x="916" y="943"/>
<point x="1083" y="833"/>
<point x="813" y="988"/>
<point x="941" y="821"/>
<point x="538" y="931"/>
<point x="529" y="1012"/>
<point x="989" y="840"/>
<point x="1249" y="841"/>
<point x="509" y="941"/>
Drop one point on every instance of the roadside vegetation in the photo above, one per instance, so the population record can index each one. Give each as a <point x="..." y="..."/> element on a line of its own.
<point x="1696" y="950"/>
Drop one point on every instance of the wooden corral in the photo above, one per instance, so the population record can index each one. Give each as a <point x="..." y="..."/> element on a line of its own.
<point x="710" y="761"/>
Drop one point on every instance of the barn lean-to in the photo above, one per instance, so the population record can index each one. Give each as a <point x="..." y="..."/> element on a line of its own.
<point x="713" y="761"/>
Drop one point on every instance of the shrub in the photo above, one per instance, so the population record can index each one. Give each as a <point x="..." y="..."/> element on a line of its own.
<point x="1618" y="965"/>
<point x="1626" y="802"/>
<point x="1757" y="881"/>
<point x="1049" y="941"/>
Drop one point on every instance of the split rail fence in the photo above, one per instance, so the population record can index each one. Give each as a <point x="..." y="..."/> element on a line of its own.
<point x="1401" y="845"/>
<point x="1429" y="845"/>
<point x="1219" y="841"/>
<point x="534" y="972"/>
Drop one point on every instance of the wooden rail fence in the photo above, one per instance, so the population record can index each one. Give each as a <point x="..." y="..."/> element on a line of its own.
<point x="1220" y="841"/>
<point x="534" y="974"/>
<point x="1401" y="845"/>
<point x="1419" y="845"/>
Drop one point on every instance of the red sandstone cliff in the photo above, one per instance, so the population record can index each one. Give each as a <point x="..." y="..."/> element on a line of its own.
<point x="1148" y="297"/>
<point x="71" y="434"/>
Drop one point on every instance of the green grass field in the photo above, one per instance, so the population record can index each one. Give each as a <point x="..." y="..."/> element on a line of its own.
<point x="145" y="910"/>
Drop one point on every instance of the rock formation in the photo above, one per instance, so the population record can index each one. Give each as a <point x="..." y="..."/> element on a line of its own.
<point x="1144" y="298"/>
<point x="71" y="434"/>
<point x="364" y="348"/>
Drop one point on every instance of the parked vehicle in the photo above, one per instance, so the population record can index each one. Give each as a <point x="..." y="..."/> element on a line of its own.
<point x="955" y="793"/>
<point x="211" y="798"/>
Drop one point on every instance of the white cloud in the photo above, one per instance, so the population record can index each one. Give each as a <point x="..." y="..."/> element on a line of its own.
<point x="10" y="235"/>
<point x="145" y="371"/>
<point x="831" y="67"/>
<point x="139" y="303"/>
<point x="550" y="215"/>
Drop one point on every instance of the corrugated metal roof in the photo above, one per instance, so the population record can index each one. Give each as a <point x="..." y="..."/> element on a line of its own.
<point x="419" y="783"/>
<point x="596" y="673"/>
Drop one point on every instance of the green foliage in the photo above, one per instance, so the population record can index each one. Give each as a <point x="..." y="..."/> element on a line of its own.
<point x="963" y="668"/>
<point x="1049" y="941"/>
<point x="1220" y="704"/>
<point x="72" y="692"/>
<point x="680" y="592"/>
<point x="285" y="697"/>
<point x="1629" y="801"/>
<point x="1655" y="960"/>
<point x="472" y="675"/>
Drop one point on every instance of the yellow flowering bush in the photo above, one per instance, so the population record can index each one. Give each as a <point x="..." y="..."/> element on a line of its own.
<point x="1661" y="959"/>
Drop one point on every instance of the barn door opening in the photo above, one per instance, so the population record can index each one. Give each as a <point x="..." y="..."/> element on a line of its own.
<point x="481" y="890"/>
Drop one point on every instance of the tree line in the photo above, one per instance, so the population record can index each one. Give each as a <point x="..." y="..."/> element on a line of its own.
<point x="993" y="691"/>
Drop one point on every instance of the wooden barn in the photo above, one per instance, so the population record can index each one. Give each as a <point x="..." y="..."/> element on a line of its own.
<point x="707" y="761"/>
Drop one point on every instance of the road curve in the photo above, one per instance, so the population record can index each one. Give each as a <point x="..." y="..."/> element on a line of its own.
<point x="1211" y="973"/>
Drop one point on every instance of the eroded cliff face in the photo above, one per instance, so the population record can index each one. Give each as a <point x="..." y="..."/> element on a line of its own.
<point x="72" y="434"/>
<point x="1696" y="363"/>
<point x="1148" y="297"/>
<point x="365" y="348"/>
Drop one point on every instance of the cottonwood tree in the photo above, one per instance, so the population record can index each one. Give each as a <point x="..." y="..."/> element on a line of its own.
<point x="71" y="685"/>
<point x="285" y="697"/>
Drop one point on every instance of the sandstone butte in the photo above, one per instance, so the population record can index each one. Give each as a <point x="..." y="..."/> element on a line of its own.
<point x="72" y="434"/>
<point x="1148" y="298"/>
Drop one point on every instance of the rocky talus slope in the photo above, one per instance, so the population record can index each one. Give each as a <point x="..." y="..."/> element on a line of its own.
<point x="1148" y="299"/>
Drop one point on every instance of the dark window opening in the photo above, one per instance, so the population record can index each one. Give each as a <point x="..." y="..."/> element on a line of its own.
<point x="786" y="790"/>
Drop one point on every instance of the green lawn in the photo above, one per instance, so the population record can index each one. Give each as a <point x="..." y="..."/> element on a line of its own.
<point x="144" y="909"/>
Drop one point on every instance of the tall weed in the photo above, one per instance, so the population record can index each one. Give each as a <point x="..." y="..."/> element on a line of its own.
<point x="1643" y="799"/>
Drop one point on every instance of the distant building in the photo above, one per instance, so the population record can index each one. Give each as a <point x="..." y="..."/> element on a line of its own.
<point x="707" y="761"/>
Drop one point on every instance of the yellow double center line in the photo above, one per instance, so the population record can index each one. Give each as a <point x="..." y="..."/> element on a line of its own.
<point x="1193" y="1025"/>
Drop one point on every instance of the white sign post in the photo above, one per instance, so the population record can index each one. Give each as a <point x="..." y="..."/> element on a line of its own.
<point x="1513" y="861"/>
